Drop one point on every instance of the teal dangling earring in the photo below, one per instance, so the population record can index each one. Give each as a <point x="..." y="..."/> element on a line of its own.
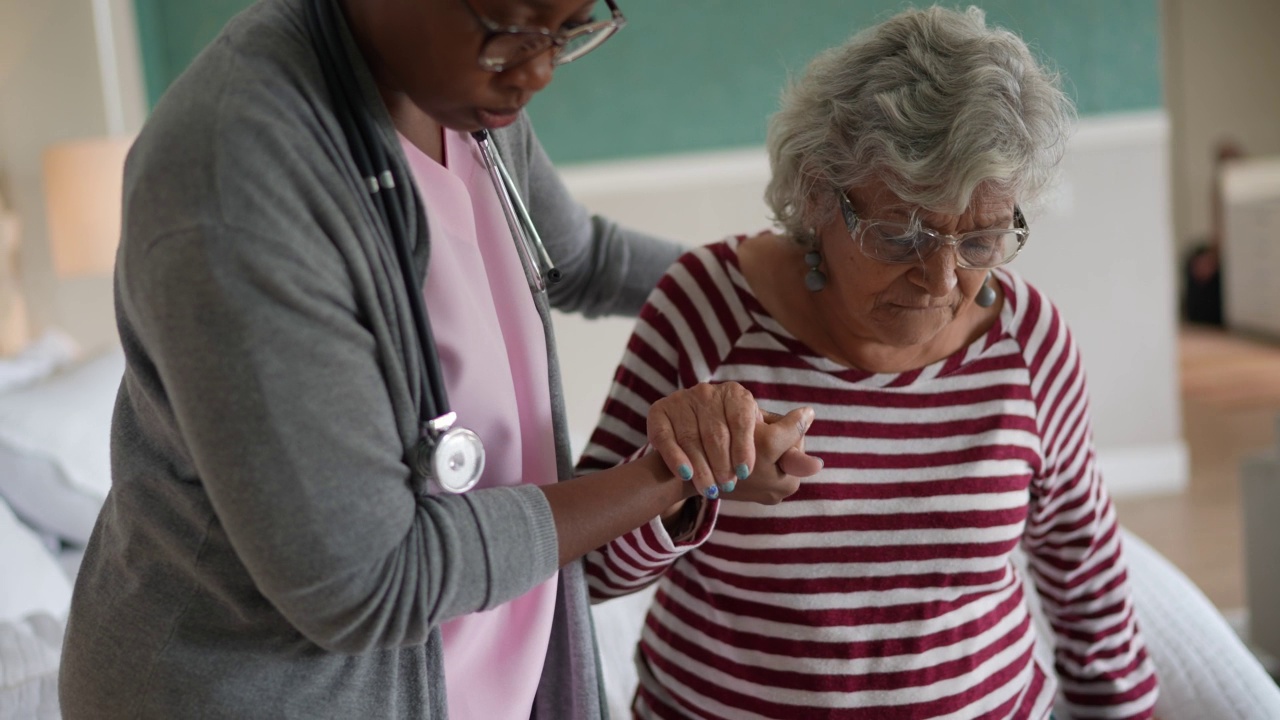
<point x="815" y="279"/>
<point x="987" y="295"/>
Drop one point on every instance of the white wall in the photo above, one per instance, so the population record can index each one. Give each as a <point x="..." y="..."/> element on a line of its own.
<point x="1102" y="249"/>
<point x="1222" y="80"/>
<point x="53" y="88"/>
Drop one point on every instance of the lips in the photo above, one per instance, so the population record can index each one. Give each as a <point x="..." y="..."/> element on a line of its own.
<point x="494" y="119"/>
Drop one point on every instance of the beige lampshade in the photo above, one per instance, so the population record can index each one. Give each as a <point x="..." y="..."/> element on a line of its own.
<point x="82" y="182"/>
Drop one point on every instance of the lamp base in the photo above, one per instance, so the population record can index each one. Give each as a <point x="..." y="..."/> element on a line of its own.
<point x="13" y="308"/>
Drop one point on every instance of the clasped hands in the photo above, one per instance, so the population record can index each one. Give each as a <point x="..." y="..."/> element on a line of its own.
<point x="716" y="437"/>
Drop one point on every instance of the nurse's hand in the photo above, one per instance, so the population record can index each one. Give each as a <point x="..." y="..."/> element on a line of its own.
<point x="707" y="435"/>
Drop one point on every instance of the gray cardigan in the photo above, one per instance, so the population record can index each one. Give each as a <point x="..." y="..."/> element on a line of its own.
<point x="265" y="551"/>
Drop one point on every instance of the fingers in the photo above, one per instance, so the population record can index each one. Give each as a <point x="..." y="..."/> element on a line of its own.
<point x="714" y="432"/>
<point x="741" y="414"/>
<point x="673" y="429"/>
<point x="787" y="431"/>
<point x="705" y="435"/>
<point x="796" y="463"/>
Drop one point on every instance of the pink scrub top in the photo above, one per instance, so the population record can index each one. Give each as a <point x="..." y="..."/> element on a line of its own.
<point x="494" y="359"/>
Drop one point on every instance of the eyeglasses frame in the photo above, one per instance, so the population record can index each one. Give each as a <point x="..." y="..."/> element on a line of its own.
<point x="493" y="29"/>
<point x="852" y="222"/>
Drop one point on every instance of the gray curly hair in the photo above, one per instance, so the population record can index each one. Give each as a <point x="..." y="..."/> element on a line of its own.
<point x="932" y="102"/>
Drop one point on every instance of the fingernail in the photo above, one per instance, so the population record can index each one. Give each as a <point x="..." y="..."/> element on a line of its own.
<point x="686" y="472"/>
<point x="713" y="492"/>
<point x="729" y="486"/>
<point x="809" y="417"/>
<point x="742" y="471"/>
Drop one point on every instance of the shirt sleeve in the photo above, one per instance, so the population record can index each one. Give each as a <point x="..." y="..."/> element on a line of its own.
<point x="670" y="349"/>
<point x="1074" y="545"/>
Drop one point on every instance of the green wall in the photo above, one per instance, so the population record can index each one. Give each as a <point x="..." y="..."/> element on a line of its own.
<point x="691" y="75"/>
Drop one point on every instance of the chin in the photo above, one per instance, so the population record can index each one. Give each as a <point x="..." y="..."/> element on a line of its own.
<point x="907" y="340"/>
<point x="902" y="332"/>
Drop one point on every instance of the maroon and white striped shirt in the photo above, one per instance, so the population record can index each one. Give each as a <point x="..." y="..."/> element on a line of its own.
<point x="884" y="588"/>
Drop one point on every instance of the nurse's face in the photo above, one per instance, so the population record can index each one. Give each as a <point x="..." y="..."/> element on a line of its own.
<point x="429" y="51"/>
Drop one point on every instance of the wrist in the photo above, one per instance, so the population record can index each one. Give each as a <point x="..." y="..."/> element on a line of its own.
<point x="682" y="522"/>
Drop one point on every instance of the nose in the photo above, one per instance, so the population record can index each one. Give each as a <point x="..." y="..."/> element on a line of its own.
<point x="532" y="75"/>
<point x="937" y="274"/>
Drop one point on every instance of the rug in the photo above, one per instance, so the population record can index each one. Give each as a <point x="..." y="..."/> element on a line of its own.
<point x="1228" y="371"/>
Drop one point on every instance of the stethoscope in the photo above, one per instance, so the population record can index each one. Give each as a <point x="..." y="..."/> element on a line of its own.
<point x="446" y="453"/>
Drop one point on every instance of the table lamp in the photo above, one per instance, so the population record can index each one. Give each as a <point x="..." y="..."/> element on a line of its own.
<point x="83" y="183"/>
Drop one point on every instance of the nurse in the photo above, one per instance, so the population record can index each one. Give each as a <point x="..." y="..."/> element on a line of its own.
<point x="278" y="541"/>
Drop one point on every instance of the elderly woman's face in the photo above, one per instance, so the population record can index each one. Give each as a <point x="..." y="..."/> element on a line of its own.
<point x="901" y="305"/>
<point x="428" y="50"/>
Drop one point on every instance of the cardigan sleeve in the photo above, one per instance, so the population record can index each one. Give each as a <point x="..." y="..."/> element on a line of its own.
<point x="607" y="269"/>
<point x="268" y="367"/>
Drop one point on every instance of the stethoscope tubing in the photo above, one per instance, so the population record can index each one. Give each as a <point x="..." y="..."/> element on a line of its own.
<point x="537" y="262"/>
<point x="374" y="163"/>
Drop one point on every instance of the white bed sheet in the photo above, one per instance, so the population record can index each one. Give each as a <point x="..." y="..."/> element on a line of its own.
<point x="34" y="597"/>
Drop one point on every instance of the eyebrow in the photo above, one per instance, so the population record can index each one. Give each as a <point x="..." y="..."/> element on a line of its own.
<point x="547" y="5"/>
<point x="538" y="7"/>
<point x="912" y="215"/>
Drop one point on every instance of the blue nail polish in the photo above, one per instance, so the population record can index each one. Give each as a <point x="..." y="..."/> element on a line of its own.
<point x="713" y="492"/>
<point x="729" y="486"/>
<point x="686" y="472"/>
<point x="742" y="471"/>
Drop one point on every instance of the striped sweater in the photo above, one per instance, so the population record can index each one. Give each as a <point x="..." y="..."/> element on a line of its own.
<point x="884" y="588"/>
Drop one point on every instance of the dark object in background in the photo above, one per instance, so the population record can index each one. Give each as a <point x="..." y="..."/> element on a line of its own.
<point x="1202" y="280"/>
<point x="1202" y="275"/>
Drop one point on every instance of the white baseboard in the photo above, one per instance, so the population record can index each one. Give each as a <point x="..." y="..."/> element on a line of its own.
<point x="1146" y="469"/>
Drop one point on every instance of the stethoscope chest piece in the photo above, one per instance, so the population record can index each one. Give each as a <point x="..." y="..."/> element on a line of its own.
<point x="451" y="457"/>
<point x="458" y="461"/>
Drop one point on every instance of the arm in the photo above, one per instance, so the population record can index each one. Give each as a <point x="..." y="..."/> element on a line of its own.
<point x="1075" y="553"/>
<point x="654" y="365"/>
<point x="282" y="410"/>
<point x="608" y="270"/>
<point x="664" y="362"/>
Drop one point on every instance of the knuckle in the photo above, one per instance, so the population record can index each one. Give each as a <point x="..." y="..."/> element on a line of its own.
<point x="687" y="438"/>
<point x="660" y="433"/>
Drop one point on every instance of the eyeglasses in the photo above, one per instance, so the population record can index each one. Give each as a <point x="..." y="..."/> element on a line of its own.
<point x="897" y="242"/>
<point x="506" y="46"/>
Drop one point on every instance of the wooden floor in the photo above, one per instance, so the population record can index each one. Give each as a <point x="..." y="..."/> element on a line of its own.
<point x="1231" y="401"/>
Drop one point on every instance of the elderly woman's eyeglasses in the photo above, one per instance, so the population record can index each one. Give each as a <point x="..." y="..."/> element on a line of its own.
<point x="897" y="242"/>
<point x="506" y="46"/>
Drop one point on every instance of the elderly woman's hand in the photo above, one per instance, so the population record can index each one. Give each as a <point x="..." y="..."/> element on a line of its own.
<point x="780" y="459"/>
<point x="716" y="436"/>
<point x="705" y="434"/>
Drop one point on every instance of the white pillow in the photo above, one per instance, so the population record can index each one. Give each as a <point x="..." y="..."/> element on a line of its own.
<point x="31" y="580"/>
<point x="66" y="419"/>
<point x="51" y="351"/>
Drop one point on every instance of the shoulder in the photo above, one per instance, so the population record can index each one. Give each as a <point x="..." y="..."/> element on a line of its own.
<point x="709" y="269"/>
<point x="243" y="123"/>
<point x="1031" y="317"/>
<point x="1047" y="345"/>
<point x="702" y="289"/>
<point x="243" y="157"/>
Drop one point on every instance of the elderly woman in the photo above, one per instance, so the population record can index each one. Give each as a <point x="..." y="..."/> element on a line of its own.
<point x="951" y="414"/>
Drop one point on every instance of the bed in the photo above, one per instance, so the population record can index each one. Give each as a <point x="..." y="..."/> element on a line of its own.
<point x="54" y="474"/>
